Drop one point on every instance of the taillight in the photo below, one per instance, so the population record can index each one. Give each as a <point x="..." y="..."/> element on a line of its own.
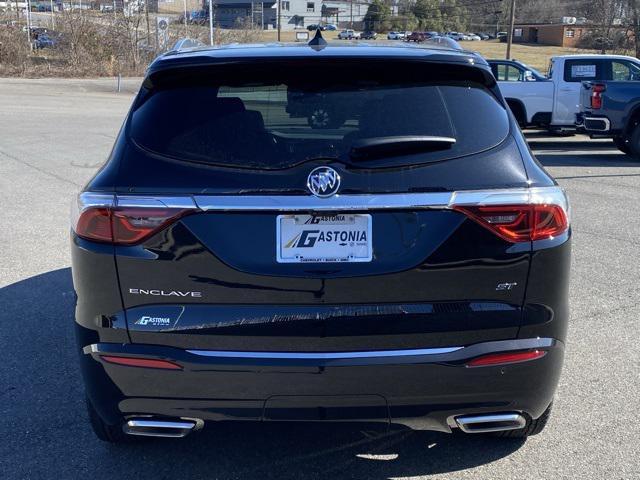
<point x="520" y="223"/>
<point x="132" y="225"/>
<point x="504" y="358"/>
<point x="539" y="214"/>
<point x="102" y="218"/>
<point x="596" y="96"/>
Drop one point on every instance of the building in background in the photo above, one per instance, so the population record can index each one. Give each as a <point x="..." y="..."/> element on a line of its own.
<point x="558" y="34"/>
<point x="296" y="14"/>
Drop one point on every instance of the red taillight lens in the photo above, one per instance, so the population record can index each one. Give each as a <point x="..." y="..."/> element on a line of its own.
<point x="596" y="96"/>
<point x="504" y="358"/>
<point x="132" y="225"/>
<point x="94" y="223"/>
<point x="95" y="217"/>
<point x="520" y="223"/>
<point x="141" y="362"/>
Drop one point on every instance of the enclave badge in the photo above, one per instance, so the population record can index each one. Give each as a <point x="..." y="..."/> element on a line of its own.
<point x="323" y="182"/>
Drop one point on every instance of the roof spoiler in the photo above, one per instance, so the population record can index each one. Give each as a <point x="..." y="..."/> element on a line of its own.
<point x="186" y="43"/>
<point x="443" y="42"/>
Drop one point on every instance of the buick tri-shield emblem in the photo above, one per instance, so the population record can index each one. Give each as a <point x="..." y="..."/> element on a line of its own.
<point x="323" y="182"/>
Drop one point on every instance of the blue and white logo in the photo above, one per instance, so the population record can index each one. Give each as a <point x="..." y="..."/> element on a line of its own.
<point x="323" y="182"/>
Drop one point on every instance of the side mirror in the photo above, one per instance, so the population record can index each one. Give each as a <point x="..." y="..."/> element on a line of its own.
<point x="528" y="76"/>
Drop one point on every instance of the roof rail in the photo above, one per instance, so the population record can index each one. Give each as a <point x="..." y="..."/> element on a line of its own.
<point x="184" y="43"/>
<point x="444" y="42"/>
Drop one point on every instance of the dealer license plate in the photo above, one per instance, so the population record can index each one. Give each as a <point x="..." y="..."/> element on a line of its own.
<point x="336" y="238"/>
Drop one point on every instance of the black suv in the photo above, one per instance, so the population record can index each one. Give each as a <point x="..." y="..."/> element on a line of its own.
<point x="408" y="266"/>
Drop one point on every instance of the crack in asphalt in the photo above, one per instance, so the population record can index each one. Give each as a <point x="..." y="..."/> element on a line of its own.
<point x="45" y="172"/>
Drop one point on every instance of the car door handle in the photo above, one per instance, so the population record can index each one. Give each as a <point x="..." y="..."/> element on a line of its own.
<point x="565" y="89"/>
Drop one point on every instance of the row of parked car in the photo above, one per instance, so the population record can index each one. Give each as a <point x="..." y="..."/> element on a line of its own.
<point x="595" y="94"/>
<point x="458" y="36"/>
<point x="349" y="34"/>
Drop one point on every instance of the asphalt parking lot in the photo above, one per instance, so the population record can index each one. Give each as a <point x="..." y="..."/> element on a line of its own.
<point x="54" y="134"/>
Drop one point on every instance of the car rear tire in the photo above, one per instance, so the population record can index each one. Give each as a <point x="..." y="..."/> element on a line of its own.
<point x="622" y="144"/>
<point x="533" y="427"/>
<point x="634" y="142"/>
<point x="104" y="431"/>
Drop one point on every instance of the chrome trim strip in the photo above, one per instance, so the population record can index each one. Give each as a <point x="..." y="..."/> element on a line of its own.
<point x="151" y="201"/>
<point x="288" y="203"/>
<point x="448" y="354"/>
<point x="363" y="202"/>
<point x="324" y="355"/>
<point x="434" y="200"/>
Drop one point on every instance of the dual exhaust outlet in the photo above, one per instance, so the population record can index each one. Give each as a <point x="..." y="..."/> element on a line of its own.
<point x="491" y="422"/>
<point x="150" y="427"/>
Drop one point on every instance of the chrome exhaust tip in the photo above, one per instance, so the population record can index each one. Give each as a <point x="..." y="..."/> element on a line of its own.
<point x="162" y="428"/>
<point x="491" y="422"/>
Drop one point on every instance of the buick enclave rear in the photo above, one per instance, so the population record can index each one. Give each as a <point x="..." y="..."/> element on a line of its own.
<point x="405" y="261"/>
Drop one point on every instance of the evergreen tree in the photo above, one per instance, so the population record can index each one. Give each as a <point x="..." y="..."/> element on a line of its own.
<point x="428" y="15"/>
<point x="378" y="16"/>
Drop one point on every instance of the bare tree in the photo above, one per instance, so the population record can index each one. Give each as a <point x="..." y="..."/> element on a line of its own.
<point x="606" y="15"/>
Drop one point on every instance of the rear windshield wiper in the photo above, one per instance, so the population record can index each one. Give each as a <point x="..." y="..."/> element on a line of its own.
<point x="380" y="147"/>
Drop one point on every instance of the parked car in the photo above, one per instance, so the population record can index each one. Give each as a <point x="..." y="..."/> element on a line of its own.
<point x="330" y="27"/>
<point x="483" y="36"/>
<point x="314" y="27"/>
<point x="418" y="37"/>
<point x="553" y="101"/>
<point x="530" y="102"/>
<point x="369" y="35"/>
<point x="348" y="35"/>
<point x="232" y="263"/>
<point x="199" y="17"/>
<point x="44" y="41"/>
<point x="502" y="35"/>
<point x="395" y="35"/>
<point x="456" y="36"/>
<point x="610" y="104"/>
<point x="473" y="37"/>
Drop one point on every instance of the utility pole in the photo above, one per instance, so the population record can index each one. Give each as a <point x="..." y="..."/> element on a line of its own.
<point x="351" y="21"/>
<point x="512" y="21"/>
<point x="186" y="33"/>
<point x="146" y="17"/>
<point x="211" y="22"/>
<point x="279" y="17"/>
<point x="29" y="24"/>
<point x="53" y="18"/>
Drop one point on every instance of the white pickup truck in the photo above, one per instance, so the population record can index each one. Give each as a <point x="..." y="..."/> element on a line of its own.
<point x="550" y="101"/>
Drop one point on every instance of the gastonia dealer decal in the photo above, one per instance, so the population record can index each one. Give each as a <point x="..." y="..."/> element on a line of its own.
<point x="153" y="321"/>
<point x="309" y="238"/>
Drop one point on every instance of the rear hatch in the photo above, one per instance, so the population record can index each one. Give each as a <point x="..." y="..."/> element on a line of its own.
<point x="244" y="257"/>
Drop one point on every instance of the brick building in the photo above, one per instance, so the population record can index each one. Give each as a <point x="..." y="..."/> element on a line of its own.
<point x="558" y="34"/>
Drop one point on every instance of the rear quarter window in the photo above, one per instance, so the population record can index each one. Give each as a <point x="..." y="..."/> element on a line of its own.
<point x="582" y="70"/>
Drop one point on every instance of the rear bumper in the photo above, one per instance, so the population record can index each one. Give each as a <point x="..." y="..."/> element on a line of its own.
<point x="421" y="389"/>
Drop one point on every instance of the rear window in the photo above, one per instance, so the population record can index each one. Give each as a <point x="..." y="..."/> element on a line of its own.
<point x="582" y="70"/>
<point x="275" y="115"/>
